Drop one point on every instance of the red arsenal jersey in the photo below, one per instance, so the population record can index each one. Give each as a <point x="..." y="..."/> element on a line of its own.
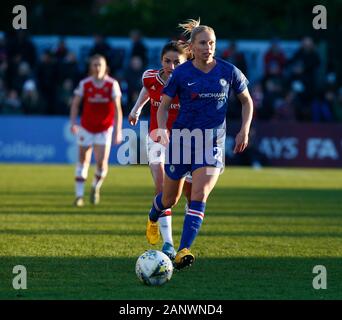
<point x="98" y="105"/>
<point x="154" y="84"/>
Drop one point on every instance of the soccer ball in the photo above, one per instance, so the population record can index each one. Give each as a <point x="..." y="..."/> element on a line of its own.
<point x="154" y="268"/>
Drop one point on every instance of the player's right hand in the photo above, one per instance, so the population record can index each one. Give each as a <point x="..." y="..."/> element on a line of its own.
<point x="133" y="120"/>
<point x="241" y="142"/>
<point x="74" y="128"/>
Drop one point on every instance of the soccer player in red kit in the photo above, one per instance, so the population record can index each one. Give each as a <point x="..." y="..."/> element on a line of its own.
<point x="101" y="97"/>
<point x="173" y="54"/>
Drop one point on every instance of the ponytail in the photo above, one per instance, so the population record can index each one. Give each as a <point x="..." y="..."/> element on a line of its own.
<point x="189" y="25"/>
<point x="193" y="27"/>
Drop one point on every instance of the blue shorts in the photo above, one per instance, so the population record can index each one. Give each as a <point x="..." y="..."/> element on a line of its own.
<point x="184" y="156"/>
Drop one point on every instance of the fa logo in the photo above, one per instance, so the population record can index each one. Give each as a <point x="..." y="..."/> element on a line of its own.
<point x="20" y="20"/>
<point x="320" y="21"/>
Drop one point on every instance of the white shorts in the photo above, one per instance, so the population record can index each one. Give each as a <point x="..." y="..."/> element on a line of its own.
<point x="86" y="138"/>
<point x="156" y="154"/>
<point x="155" y="151"/>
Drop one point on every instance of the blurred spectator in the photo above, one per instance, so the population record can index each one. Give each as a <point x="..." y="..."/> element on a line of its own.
<point x="330" y="81"/>
<point x="69" y="69"/>
<point x="232" y="55"/>
<point x="297" y="82"/>
<point x="64" y="96"/>
<point x="322" y="107"/>
<point x="285" y="108"/>
<point x="138" y="47"/>
<point x="274" y="59"/>
<point x="133" y="76"/>
<point x="2" y="92"/>
<point x="337" y="106"/>
<point x="120" y="77"/>
<point x="3" y="48"/>
<point x="3" y="69"/>
<point x="101" y="47"/>
<point x="61" y="50"/>
<point x="272" y="94"/>
<point x="308" y="58"/>
<point x="46" y="78"/>
<point x="257" y="95"/>
<point x="32" y="104"/>
<point x="286" y="91"/>
<point x="274" y="83"/>
<point x="117" y="59"/>
<point x="12" y="72"/>
<point x="234" y="109"/>
<point x="21" y="44"/>
<point x="12" y="103"/>
<point x="23" y="73"/>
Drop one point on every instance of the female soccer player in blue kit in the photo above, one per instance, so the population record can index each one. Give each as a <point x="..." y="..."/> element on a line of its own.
<point x="203" y="85"/>
<point x="173" y="54"/>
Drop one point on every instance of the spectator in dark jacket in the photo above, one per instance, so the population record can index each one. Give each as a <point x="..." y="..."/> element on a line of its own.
<point x="237" y="58"/>
<point x="274" y="59"/>
<point x="138" y="47"/>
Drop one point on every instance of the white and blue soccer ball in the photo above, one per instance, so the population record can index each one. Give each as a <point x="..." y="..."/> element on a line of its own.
<point x="154" y="268"/>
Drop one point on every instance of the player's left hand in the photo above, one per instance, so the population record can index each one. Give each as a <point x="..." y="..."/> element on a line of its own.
<point x="241" y="141"/>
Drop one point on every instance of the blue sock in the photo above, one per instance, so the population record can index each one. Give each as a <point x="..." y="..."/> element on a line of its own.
<point x="192" y="223"/>
<point x="157" y="208"/>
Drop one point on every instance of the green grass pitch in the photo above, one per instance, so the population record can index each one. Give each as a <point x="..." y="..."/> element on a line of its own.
<point x="263" y="233"/>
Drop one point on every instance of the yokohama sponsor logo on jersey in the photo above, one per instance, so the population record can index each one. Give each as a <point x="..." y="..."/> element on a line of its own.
<point x="216" y="95"/>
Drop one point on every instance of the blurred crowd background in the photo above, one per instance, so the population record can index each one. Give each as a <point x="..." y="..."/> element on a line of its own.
<point x="303" y="87"/>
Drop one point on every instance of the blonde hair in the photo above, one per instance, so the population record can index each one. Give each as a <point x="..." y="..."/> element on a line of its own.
<point x="194" y="27"/>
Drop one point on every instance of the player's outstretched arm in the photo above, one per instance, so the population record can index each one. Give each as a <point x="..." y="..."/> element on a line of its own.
<point x="241" y="140"/>
<point x="118" y="121"/>
<point x="75" y="105"/>
<point x="143" y="97"/>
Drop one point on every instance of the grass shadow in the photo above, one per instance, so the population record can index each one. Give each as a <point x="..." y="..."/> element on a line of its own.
<point x="209" y="278"/>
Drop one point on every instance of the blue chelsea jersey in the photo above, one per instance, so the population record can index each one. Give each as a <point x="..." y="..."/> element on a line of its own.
<point x="203" y="96"/>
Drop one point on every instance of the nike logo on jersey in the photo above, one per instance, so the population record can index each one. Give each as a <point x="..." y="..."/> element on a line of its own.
<point x="191" y="83"/>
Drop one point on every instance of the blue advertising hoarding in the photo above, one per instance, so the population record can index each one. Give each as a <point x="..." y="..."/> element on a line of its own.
<point x="46" y="139"/>
<point x="39" y="140"/>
